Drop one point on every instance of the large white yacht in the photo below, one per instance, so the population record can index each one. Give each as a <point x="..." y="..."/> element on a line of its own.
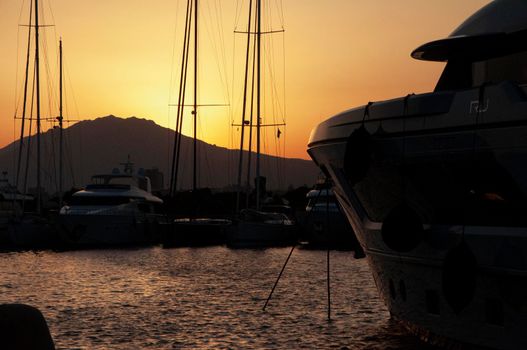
<point x="115" y="209"/>
<point x="435" y="185"/>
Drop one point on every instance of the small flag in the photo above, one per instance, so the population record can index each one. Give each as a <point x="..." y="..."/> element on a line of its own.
<point x="278" y="133"/>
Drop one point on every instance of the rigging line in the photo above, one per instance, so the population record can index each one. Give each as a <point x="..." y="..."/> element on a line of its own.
<point x="263" y="32"/>
<point x="472" y="192"/>
<point x="238" y="13"/>
<point x="69" y="155"/>
<point x="195" y="110"/>
<point x="45" y="59"/>
<point x="53" y="158"/>
<point x="262" y="125"/>
<point x="258" y="99"/>
<point x="274" y="90"/>
<point x="251" y="121"/>
<point x="277" y="160"/>
<point x="244" y="107"/>
<point x="171" y="92"/>
<point x="280" y="10"/>
<point x="76" y="108"/>
<point x="279" y="276"/>
<point x="290" y="253"/>
<point x="328" y="285"/>
<point x="208" y="173"/>
<point x="328" y="256"/>
<point x="37" y="69"/>
<point x="22" y="127"/>
<point x="179" y="116"/>
<point x="284" y="115"/>
<point x="221" y="29"/>
<point x="182" y="93"/>
<point x="231" y="109"/>
<point x="214" y="42"/>
<point x="13" y="155"/>
<point x="26" y="173"/>
<point x="16" y="100"/>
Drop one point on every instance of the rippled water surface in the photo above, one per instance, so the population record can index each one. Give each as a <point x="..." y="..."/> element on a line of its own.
<point x="158" y="298"/>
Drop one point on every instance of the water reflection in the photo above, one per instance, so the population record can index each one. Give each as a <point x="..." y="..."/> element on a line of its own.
<point x="200" y="298"/>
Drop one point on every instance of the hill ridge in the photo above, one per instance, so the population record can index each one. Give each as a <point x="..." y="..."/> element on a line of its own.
<point x="101" y="144"/>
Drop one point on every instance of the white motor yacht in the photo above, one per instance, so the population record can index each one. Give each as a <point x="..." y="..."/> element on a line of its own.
<point x="115" y="209"/>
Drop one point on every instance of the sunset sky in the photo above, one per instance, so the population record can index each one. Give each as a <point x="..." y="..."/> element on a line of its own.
<point x="122" y="58"/>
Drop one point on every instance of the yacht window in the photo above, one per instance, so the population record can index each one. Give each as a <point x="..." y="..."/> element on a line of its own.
<point x="481" y="188"/>
<point x="459" y="74"/>
<point x="114" y="180"/>
<point x="107" y="200"/>
<point x="122" y="181"/>
<point x="322" y="203"/>
<point x="511" y="67"/>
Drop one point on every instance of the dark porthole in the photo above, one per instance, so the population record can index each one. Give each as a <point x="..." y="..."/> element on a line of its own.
<point x="392" y="289"/>
<point x="402" y="290"/>
<point x="432" y="302"/>
<point x="494" y="312"/>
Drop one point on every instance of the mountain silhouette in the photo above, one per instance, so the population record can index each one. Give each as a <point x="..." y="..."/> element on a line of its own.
<point x="100" y="145"/>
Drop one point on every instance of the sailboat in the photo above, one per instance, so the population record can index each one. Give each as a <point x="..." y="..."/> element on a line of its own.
<point x="32" y="229"/>
<point x="191" y="230"/>
<point x="258" y="227"/>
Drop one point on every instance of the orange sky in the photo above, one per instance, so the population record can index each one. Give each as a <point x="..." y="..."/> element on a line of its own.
<point x="119" y="58"/>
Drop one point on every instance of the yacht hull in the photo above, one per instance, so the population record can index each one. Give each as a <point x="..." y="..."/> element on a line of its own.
<point x="328" y="229"/>
<point x="197" y="232"/>
<point x="107" y="230"/>
<point x="249" y="234"/>
<point x="436" y="194"/>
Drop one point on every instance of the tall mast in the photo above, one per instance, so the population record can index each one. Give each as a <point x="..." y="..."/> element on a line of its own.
<point x="258" y="95"/>
<point x="60" y="119"/>
<point x="181" y="99"/>
<point x="22" y="126"/>
<point x="38" y="208"/>
<point x="244" y="107"/>
<point x="195" y="112"/>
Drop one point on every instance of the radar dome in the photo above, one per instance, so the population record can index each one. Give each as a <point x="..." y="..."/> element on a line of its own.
<point x="500" y="16"/>
<point x="496" y="29"/>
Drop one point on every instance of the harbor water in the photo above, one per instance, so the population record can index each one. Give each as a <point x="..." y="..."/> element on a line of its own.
<point x="199" y="298"/>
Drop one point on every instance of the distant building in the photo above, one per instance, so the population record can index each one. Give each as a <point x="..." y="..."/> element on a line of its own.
<point x="156" y="179"/>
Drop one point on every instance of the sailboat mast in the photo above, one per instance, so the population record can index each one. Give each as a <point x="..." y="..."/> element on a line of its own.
<point x="37" y="72"/>
<point x="244" y="107"/>
<point x="258" y="96"/>
<point x="181" y="98"/>
<point x="195" y="112"/>
<point x="23" y="126"/>
<point x="60" y="119"/>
